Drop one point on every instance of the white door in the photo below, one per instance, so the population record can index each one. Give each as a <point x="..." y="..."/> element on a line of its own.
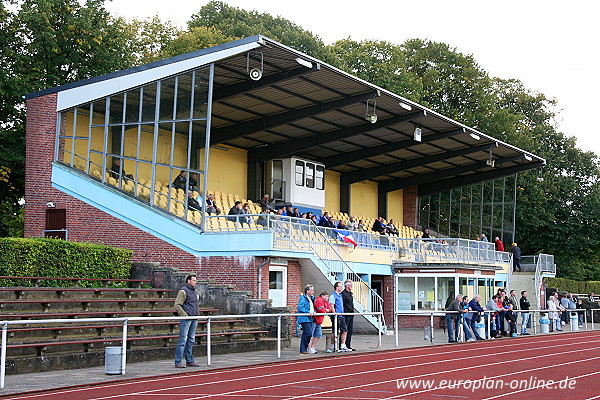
<point x="278" y="286"/>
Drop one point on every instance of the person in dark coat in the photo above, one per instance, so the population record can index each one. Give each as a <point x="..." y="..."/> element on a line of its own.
<point x="516" y="253"/>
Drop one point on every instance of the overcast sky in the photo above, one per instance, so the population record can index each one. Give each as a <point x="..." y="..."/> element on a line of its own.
<point x="551" y="46"/>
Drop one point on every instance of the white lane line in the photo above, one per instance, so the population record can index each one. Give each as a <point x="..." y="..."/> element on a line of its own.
<point x="395" y="368"/>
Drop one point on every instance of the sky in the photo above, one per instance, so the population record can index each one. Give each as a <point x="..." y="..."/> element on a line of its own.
<point x="551" y="46"/>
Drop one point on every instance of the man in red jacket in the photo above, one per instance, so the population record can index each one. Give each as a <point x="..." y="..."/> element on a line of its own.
<point x="499" y="244"/>
<point x="321" y="307"/>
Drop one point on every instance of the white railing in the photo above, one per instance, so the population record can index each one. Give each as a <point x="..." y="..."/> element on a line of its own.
<point x="544" y="263"/>
<point x="208" y="319"/>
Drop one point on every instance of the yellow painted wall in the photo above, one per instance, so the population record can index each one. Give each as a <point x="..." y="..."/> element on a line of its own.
<point x="227" y="170"/>
<point x="332" y="191"/>
<point x="363" y="199"/>
<point x="395" y="207"/>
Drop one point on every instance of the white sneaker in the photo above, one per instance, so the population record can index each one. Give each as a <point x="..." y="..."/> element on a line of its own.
<point x="470" y="340"/>
<point x="563" y="323"/>
<point x="312" y="351"/>
<point x="344" y="349"/>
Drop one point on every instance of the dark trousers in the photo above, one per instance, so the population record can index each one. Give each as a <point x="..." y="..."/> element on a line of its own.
<point x="516" y="264"/>
<point x="350" y="324"/>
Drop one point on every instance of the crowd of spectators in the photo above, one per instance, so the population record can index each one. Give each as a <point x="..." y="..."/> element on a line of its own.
<point x="340" y="300"/>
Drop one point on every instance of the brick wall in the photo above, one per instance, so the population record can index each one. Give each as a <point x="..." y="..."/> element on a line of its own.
<point x="417" y="322"/>
<point x="410" y="205"/>
<point x="388" y="299"/>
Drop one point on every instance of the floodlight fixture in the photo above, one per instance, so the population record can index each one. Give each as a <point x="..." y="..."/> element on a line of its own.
<point x="370" y="115"/>
<point x="417" y="134"/>
<point x="475" y="136"/>
<point x="490" y="162"/>
<point x="407" y="107"/>
<point x="303" y="62"/>
<point x="257" y="72"/>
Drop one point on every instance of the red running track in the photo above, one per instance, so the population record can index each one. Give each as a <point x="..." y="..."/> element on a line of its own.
<point x="529" y="368"/>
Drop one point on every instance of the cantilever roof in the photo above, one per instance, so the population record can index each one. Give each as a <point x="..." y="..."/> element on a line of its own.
<point x="306" y="108"/>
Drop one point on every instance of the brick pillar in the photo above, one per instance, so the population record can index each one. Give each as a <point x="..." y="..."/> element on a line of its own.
<point x="410" y="205"/>
<point x="40" y="137"/>
<point x="388" y="299"/>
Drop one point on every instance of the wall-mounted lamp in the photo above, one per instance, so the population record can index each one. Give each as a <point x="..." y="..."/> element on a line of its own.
<point x="50" y="204"/>
<point x="407" y="107"/>
<point x="490" y="162"/>
<point x="255" y="73"/>
<point x="475" y="136"/>
<point x="417" y="134"/>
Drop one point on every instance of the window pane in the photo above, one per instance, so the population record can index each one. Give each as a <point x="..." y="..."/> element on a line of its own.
<point x="184" y="96"/>
<point x="180" y="150"/>
<point x="406" y="293"/>
<point x="200" y="93"/>
<point x="299" y="173"/>
<point x="310" y="175"/>
<point x="99" y="111"/>
<point x="425" y="295"/>
<point x="167" y="99"/>
<point x="149" y="102"/>
<point x="116" y="109"/>
<point x="320" y="178"/>
<point x="163" y="148"/>
<point x="132" y="113"/>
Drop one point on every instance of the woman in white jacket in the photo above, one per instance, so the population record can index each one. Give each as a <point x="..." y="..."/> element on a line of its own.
<point x="553" y="314"/>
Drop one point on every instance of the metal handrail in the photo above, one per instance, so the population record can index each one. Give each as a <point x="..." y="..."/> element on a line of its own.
<point x="126" y="320"/>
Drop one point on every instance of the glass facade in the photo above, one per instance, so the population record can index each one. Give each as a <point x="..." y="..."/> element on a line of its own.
<point x="149" y="141"/>
<point x="466" y="212"/>
<point x="431" y="292"/>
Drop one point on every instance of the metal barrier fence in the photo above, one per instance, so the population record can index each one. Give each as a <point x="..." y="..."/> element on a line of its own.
<point x="209" y="319"/>
<point x="486" y="319"/>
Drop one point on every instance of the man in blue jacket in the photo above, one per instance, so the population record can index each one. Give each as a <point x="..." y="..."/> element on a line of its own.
<point x="306" y="306"/>
<point x="475" y="318"/>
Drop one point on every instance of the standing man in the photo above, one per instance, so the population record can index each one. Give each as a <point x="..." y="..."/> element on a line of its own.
<point x="525" y="305"/>
<point x="337" y="304"/>
<point x="306" y="306"/>
<point x="452" y="319"/>
<point x="516" y="253"/>
<point x="348" y="300"/>
<point x="477" y="315"/>
<point x="186" y="304"/>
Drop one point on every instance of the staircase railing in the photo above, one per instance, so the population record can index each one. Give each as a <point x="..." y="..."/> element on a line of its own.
<point x="543" y="263"/>
<point x="302" y="234"/>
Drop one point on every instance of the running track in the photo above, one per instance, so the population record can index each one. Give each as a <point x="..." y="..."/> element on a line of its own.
<point x="526" y="363"/>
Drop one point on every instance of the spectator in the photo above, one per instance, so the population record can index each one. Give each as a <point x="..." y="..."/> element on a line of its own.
<point x="476" y="315"/>
<point x="342" y="225"/>
<point x="321" y="307"/>
<point x="492" y="305"/>
<point x="392" y="228"/>
<point x="360" y="227"/>
<point x="338" y="307"/>
<point x="564" y="302"/>
<point x="309" y="215"/>
<point x="211" y="205"/>
<point x="510" y="316"/>
<point x="246" y="219"/>
<point x="306" y="306"/>
<point x="180" y="180"/>
<point x="236" y="211"/>
<point x="499" y="244"/>
<point x="348" y="301"/>
<point x="289" y="211"/>
<point x="425" y="234"/>
<point x="502" y="302"/>
<point x="313" y="219"/>
<point x="580" y="313"/>
<point x="554" y="309"/>
<point x="524" y="305"/>
<point x="465" y="319"/>
<point x="484" y="238"/>
<point x="452" y="318"/>
<point x="516" y="253"/>
<point x="266" y="204"/>
<point x="186" y="305"/>
<point x="352" y="224"/>
<point x="192" y="203"/>
<point x="378" y="226"/>
<point x="116" y="171"/>
<point x="592" y="297"/>
<point x="324" y="219"/>
<point x="263" y="219"/>
<point x="296" y="213"/>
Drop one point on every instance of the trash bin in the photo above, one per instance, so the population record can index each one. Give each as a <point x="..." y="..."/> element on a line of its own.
<point x="544" y="325"/>
<point x="427" y="334"/>
<point x="112" y="360"/>
<point x="480" y="328"/>
<point x="574" y="321"/>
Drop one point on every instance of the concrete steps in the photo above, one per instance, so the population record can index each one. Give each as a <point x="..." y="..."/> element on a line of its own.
<point x="525" y="281"/>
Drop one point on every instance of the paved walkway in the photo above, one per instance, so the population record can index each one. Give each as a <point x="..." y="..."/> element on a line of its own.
<point x="57" y="379"/>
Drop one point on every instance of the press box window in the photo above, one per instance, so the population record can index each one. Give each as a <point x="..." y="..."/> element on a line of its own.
<point x="299" y="173"/>
<point x="310" y="175"/>
<point x="319" y="181"/>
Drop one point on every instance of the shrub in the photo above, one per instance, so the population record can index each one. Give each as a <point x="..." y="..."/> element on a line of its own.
<point x="59" y="258"/>
<point x="572" y="286"/>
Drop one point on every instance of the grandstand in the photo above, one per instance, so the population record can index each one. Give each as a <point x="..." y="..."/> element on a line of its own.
<point x="251" y="117"/>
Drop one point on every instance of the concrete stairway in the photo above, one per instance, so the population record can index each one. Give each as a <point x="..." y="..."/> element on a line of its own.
<point x="525" y="281"/>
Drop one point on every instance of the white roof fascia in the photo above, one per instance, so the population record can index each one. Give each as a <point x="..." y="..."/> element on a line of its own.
<point x="84" y="94"/>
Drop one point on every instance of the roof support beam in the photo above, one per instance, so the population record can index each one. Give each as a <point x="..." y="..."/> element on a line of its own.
<point x="357" y="155"/>
<point x="246" y="86"/>
<point x="294" y="146"/>
<point x="451" y="183"/>
<point x="380" y="170"/>
<point x="244" y="128"/>
<point x="402" y="183"/>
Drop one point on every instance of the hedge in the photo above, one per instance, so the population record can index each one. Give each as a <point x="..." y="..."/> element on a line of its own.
<point x="571" y="286"/>
<point x="59" y="258"/>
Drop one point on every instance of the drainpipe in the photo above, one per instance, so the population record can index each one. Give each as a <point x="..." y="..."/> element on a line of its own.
<point x="260" y="275"/>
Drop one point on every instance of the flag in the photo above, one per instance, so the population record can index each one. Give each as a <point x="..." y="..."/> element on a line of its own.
<point x="346" y="237"/>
